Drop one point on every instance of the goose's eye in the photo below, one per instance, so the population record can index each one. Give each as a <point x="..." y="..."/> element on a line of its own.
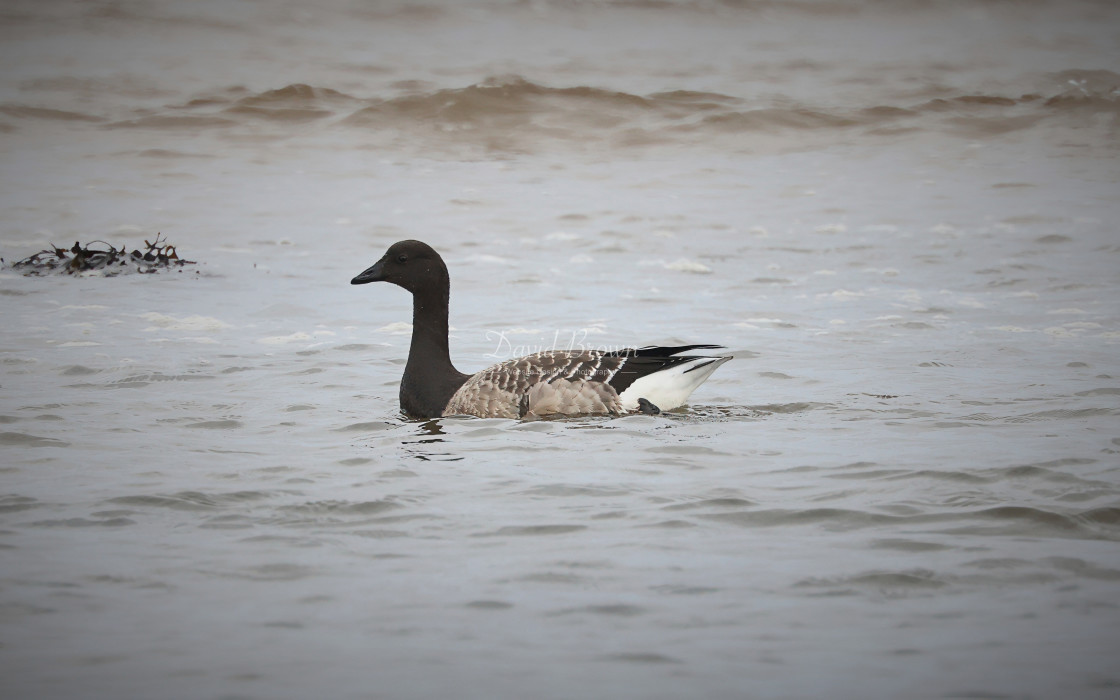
<point x="402" y="258"/>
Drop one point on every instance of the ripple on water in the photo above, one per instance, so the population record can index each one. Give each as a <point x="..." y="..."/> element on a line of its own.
<point x="281" y="571"/>
<point x="13" y="503"/>
<point x="343" y="507"/>
<point x="489" y="605"/>
<point x="222" y="424"/>
<point x="640" y="657"/>
<point x="885" y="581"/>
<point x="606" y="609"/>
<point x="711" y="503"/>
<point x="367" y="427"/>
<point x="191" y="500"/>
<point x="908" y="545"/>
<point x="569" y="490"/>
<point x="28" y="440"/>
<point x="85" y="522"/>
<point x="78" y="371"/>
<point x="1009" y="521"/>
<point x="137" y="381"/>
<point x="532" y="530"/>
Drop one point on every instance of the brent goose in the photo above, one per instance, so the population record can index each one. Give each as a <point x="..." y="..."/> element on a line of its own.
<point x="565" y="382"/>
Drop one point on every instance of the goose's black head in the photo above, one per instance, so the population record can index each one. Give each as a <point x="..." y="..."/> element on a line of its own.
<point x="413" y="265"/>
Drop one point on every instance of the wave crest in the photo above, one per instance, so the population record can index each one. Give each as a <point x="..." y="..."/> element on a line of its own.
<point x="514" y="113"/>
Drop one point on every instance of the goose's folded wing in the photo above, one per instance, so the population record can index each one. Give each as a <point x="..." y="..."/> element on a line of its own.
<point x="557" y="381"/>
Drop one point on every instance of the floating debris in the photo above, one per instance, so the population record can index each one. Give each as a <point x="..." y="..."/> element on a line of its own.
<point x="158" y="255"/>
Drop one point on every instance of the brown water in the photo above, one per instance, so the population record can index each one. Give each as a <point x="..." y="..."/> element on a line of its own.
<point x="900" y="217"/>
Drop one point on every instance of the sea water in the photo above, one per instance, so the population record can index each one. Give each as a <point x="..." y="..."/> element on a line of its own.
<point x="899" y="217"/>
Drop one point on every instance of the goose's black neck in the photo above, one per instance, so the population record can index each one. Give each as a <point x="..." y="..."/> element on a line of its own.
<point x="429" y="377"/>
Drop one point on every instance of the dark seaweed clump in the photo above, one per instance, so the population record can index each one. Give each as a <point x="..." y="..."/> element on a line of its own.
<point x="156" y="255"/>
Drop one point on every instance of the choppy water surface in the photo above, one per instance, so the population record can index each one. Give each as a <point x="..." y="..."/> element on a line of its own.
<point x="900" y="218"/>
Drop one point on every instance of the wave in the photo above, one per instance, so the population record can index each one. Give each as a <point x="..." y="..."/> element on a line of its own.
<point x="189" y="500"/>
<point x="47" y="114"/>
<point x="181" y="122"/>
<point x="513" y="112"/>
<point x="1013" y="521"/>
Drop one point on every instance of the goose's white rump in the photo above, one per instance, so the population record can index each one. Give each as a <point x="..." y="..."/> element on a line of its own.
<point x="670" y="388"/>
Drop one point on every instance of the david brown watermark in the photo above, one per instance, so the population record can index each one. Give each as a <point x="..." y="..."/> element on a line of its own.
<point x="575" y="341"/>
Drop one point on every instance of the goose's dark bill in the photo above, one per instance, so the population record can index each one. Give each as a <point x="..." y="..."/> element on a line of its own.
<point x="374" y="273"/>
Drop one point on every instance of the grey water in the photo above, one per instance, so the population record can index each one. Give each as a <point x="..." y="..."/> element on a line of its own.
<point x="899" y="217"/>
